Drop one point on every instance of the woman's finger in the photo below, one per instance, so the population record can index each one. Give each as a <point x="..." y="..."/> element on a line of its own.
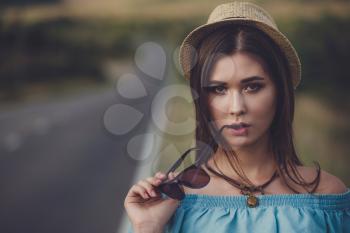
<point x="172" y="175"/>
<point x="154" y="181"/>
<point x="138" y="190"/>
<point x="149" y="188"/>
<point x="160" y="175"/>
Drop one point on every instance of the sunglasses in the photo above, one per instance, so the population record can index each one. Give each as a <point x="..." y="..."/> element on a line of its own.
<point x="192" y="177"/>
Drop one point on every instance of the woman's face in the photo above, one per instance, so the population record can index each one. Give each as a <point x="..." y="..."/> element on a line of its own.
<point x="241" y="90"/>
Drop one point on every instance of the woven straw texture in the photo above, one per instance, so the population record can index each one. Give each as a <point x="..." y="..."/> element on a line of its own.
<point x="238" y="13"/>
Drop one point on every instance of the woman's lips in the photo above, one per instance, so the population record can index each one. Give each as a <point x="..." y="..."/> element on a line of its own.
<point x="238" y="132"/>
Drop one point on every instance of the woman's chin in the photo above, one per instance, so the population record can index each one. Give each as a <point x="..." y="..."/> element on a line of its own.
<point x="237" y="143"/>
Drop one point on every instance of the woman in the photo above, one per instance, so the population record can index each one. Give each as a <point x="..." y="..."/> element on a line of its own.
<point x="244" y="72"/>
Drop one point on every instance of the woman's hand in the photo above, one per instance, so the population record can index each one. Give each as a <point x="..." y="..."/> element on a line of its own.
<point x="147" y="210"/>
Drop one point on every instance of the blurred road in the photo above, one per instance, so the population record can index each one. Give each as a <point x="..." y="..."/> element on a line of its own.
<point x="61" y="171"/>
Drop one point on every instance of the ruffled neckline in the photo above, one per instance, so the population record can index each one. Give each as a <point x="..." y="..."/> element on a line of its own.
<point x="321" y="201"/>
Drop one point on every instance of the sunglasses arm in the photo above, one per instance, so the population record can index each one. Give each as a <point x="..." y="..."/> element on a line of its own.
<point x="179" y="161"/>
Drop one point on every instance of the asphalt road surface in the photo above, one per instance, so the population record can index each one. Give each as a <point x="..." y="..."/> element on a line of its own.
<point x="61" y="171"/>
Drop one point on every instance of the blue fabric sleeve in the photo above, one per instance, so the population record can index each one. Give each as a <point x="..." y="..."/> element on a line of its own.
<point x="292" y="213"/>
<point x="328" y="213"/>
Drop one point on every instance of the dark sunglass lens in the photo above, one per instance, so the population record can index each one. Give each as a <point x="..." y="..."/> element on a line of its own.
<point x="172" y="190"/>
<point x="194" y="177"/>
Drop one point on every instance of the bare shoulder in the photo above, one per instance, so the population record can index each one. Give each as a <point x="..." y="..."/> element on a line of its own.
<point x="329" y="184"/>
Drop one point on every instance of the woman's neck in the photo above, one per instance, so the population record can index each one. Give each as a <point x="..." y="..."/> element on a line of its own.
<point x="257" y="162"/>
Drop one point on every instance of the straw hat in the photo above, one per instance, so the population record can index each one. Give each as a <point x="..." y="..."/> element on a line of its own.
<point x="239" y="13"/>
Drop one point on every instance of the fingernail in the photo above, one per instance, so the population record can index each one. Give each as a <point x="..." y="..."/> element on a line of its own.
<point x="153" y="193"/>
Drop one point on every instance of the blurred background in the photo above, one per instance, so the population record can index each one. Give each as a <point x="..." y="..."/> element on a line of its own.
<point x="91" y="100"/>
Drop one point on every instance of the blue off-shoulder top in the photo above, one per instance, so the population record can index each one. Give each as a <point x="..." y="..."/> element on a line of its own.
<point x="287" y="213"/>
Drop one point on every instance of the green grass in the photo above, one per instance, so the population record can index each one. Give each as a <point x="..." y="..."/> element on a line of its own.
<point x="321" y="134"/>
<point x="161" y="9"/>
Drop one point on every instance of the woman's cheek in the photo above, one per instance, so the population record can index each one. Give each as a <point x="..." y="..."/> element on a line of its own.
<point x="217" y="104"/>
<point x="263" y="113"/>
<point x="217" y="108"/>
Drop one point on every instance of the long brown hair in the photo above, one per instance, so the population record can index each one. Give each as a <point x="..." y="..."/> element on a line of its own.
<point x="242" y="38"/>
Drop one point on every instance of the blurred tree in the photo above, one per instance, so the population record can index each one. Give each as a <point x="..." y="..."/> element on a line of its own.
<point x="324" y="49"/>
<point x="6" y="3"/>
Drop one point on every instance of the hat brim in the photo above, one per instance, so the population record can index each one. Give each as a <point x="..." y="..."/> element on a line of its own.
<point x="190" y="45"/>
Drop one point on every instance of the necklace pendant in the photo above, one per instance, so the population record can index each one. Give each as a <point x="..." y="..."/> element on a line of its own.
<point x="252" y="201"/>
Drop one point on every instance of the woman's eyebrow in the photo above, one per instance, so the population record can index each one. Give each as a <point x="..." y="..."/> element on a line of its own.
<point x="246" y="80"/>
<point x="217" y="82"/>
<point x="253" y="78"/>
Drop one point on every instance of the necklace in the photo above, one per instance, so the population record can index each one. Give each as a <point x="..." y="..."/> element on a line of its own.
<point x="252" y="200"/>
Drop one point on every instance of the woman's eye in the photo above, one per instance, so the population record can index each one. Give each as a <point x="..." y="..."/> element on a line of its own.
<point x="253" y="87"/>
<point x="219" y="89"/>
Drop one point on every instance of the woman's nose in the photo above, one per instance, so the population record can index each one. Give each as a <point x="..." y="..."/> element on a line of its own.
<point x="237" y="104"/>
